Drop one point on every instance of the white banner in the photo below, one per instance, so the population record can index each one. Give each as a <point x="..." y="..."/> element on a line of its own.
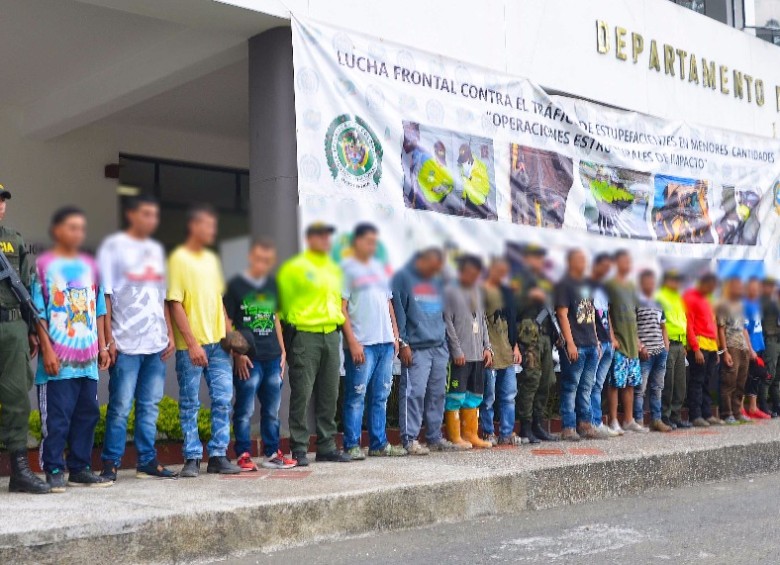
<point x="438" y="152"/>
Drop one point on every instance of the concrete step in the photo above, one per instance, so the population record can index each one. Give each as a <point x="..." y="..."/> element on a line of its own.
<point x="209" y="517"/>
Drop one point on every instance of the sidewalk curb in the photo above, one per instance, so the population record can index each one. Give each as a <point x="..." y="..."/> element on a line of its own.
<point x="203" y="535"/>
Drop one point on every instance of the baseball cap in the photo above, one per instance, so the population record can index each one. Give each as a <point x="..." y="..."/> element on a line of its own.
<point x="673" y="275"/>
<point x="534" y="250"/>
<point x="319" y="228"/>
<point x="4" y="194"/>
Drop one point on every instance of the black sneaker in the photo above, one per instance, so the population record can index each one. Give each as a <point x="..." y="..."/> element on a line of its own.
<point x="56" y="480"/>
<point x="86" y="478"/>
<point x="669" y="422"/>
<point x="682" y="425"/>
<point x="223" y="466"/>
<point x="153" y="470"/>
<point x="301" y="458"/>
<point x="109" y="471"/>
<point x="336" y="456"/>
<point x="191" y="469"/>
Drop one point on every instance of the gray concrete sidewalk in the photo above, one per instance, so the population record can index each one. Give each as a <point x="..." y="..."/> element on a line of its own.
<point x="178" y="521"/>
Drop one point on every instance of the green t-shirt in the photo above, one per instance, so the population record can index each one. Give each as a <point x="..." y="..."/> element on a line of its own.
<point x="622" y="308"/>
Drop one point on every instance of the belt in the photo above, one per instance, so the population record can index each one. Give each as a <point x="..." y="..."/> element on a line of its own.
<point x="676" y="342"/>
<point x="326" y="329"/>
<point x="11" y="315"/>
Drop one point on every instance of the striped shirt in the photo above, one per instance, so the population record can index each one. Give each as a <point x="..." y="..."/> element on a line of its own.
<point x="649" y="317"/>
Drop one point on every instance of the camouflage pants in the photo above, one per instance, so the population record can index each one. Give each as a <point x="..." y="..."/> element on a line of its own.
<point x="535" y="381"/>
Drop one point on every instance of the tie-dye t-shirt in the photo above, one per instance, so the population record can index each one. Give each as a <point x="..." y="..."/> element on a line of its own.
<point x="67" y="292"/>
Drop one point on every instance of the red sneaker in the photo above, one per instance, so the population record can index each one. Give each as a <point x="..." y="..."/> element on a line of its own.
<point x="759" y="414"/>
<point x="744" y="412"/>
<point x="278" y="461"/>
<point x="246" y="463"/>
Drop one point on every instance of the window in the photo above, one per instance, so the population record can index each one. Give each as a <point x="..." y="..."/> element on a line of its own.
<point x="695" y="5"/>
<point x="768" y="20"/>
<point x="177" y="185"/>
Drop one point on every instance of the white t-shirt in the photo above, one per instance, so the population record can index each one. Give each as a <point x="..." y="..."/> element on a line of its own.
<point x="133" y="273"/>
<point x="367" y="290"/>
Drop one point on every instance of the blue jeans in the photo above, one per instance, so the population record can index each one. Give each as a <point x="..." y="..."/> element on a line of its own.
<point x="372" y="379"/>
<point x="500" y="383"/>
<point x="219" y="378"/>
<point x="598" y="385"/>
<point x="576" y="385"/>
<point x="653" y="374"/>
<point x="264" y="382"/>
<point x="140" y="378"/>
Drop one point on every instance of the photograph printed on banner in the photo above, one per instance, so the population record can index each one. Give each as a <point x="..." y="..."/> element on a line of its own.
<point x="448" y="172"/>
<point x="689" y="270"/>
<point x="680" y="210"/>
<point x="776" y="198"/>
<point x="617" y="200"/>
<point x="739" y="224"/>
<point x="540" y="182"/>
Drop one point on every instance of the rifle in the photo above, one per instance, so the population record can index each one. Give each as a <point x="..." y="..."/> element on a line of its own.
<point x="547" y="312"/>
<point x="8" y="273"/>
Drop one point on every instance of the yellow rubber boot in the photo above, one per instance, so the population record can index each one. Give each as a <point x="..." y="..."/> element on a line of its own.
<point x="469" y="425"/>
<point x="452" y="425"/>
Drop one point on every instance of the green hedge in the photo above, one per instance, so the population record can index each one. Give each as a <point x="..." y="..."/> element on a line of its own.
<point x="168" y="423"/>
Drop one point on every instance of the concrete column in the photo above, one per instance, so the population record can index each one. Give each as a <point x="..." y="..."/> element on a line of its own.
<point x="273" y="164"/>
<point x="273" y="167"/>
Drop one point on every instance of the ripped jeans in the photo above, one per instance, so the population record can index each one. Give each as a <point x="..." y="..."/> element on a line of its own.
<point x="367" y="385"/>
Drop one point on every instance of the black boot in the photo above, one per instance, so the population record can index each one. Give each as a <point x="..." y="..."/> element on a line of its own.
<point x="527" y="433"/>
<point x="540" y="432"/>
<point x="23" y="479"/>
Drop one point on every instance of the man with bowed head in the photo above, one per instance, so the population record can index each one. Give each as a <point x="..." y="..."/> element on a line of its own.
<point x="419" y="307"/>
<point x="470" y="353"/>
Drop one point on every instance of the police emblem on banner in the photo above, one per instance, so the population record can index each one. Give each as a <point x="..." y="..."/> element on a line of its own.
<point x="354" y="153"/>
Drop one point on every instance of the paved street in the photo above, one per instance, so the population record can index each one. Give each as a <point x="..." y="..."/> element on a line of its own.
<point x="731" y="522"/>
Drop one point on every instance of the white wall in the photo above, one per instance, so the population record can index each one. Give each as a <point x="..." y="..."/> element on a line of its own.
<point x="44" y="175"/>
<point x="553" y="43"/>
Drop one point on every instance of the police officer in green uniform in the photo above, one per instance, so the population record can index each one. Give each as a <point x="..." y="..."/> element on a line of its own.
<point x="770" y="322"/>
<point x="16" y="378"/>
<point x="536" y="333"/>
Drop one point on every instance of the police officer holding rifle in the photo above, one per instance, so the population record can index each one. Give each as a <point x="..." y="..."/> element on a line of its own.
<point x="17" y="344"/>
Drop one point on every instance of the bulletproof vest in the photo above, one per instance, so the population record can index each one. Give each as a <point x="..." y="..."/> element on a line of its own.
<point x="11" y="245"/>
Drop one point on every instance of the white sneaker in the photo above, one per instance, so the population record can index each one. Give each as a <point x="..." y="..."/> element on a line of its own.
<point x="603" y="428"/>
<point x="416" y="448"/>
<point x="615" y="427"/>
<point x="633" y="426"/>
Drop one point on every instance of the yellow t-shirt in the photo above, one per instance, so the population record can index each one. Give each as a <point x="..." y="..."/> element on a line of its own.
<point x="195" y="280"/>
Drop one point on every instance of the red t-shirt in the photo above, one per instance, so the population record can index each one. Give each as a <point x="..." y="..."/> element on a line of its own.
<point x="701" y="318"/>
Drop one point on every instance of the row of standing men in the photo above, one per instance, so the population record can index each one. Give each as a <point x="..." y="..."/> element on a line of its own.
<point x="459" y="344"/>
